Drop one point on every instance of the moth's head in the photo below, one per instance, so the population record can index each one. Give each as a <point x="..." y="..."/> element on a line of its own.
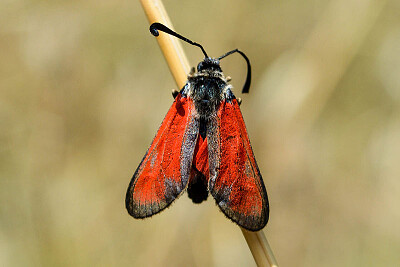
<point x="210" y="64"/>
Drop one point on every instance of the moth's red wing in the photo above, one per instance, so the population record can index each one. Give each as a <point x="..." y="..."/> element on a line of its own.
<point x="198" y="181"/>
<point x="165" y="168"/>
<point x="200" y="159"/>
<point x="235" y="180"/>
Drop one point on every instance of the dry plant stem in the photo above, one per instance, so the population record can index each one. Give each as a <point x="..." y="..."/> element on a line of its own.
<point x="260" y="248"/>
<point x="170" y="46"/>
<point x="179" y="67"/>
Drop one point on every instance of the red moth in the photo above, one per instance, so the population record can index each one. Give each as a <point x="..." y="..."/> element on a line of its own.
<point x="202" y="145"/>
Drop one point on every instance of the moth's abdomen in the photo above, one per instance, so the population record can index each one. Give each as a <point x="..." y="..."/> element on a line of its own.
<point x="197" y="188"/>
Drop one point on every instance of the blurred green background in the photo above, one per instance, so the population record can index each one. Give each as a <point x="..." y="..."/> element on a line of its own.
<point x="84" y="88"/>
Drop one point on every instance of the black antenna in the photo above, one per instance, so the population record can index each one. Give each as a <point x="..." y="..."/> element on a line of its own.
<point x="246" y="86"/>
<point x="155" y="27"/>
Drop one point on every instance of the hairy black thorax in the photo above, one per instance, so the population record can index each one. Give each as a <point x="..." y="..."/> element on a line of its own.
<point x="207" y="88"/>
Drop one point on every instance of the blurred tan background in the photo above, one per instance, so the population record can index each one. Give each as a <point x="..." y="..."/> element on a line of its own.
<point x="84" y="87"/>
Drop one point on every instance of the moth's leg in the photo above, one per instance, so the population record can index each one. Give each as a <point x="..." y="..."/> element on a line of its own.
<point x="175" y="93"/>
<point x="192" y="71"/>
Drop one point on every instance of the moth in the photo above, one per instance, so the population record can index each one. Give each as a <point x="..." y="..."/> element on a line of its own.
<point x="202" y="146"/>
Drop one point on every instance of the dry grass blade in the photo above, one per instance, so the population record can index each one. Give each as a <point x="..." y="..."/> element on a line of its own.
<point x="179" y="66"/>
<point x="170" y="46"/>
<point x="260" y="248"/>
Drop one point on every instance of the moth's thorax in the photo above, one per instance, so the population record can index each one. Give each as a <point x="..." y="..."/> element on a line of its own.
<point x="207" y="88"/>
